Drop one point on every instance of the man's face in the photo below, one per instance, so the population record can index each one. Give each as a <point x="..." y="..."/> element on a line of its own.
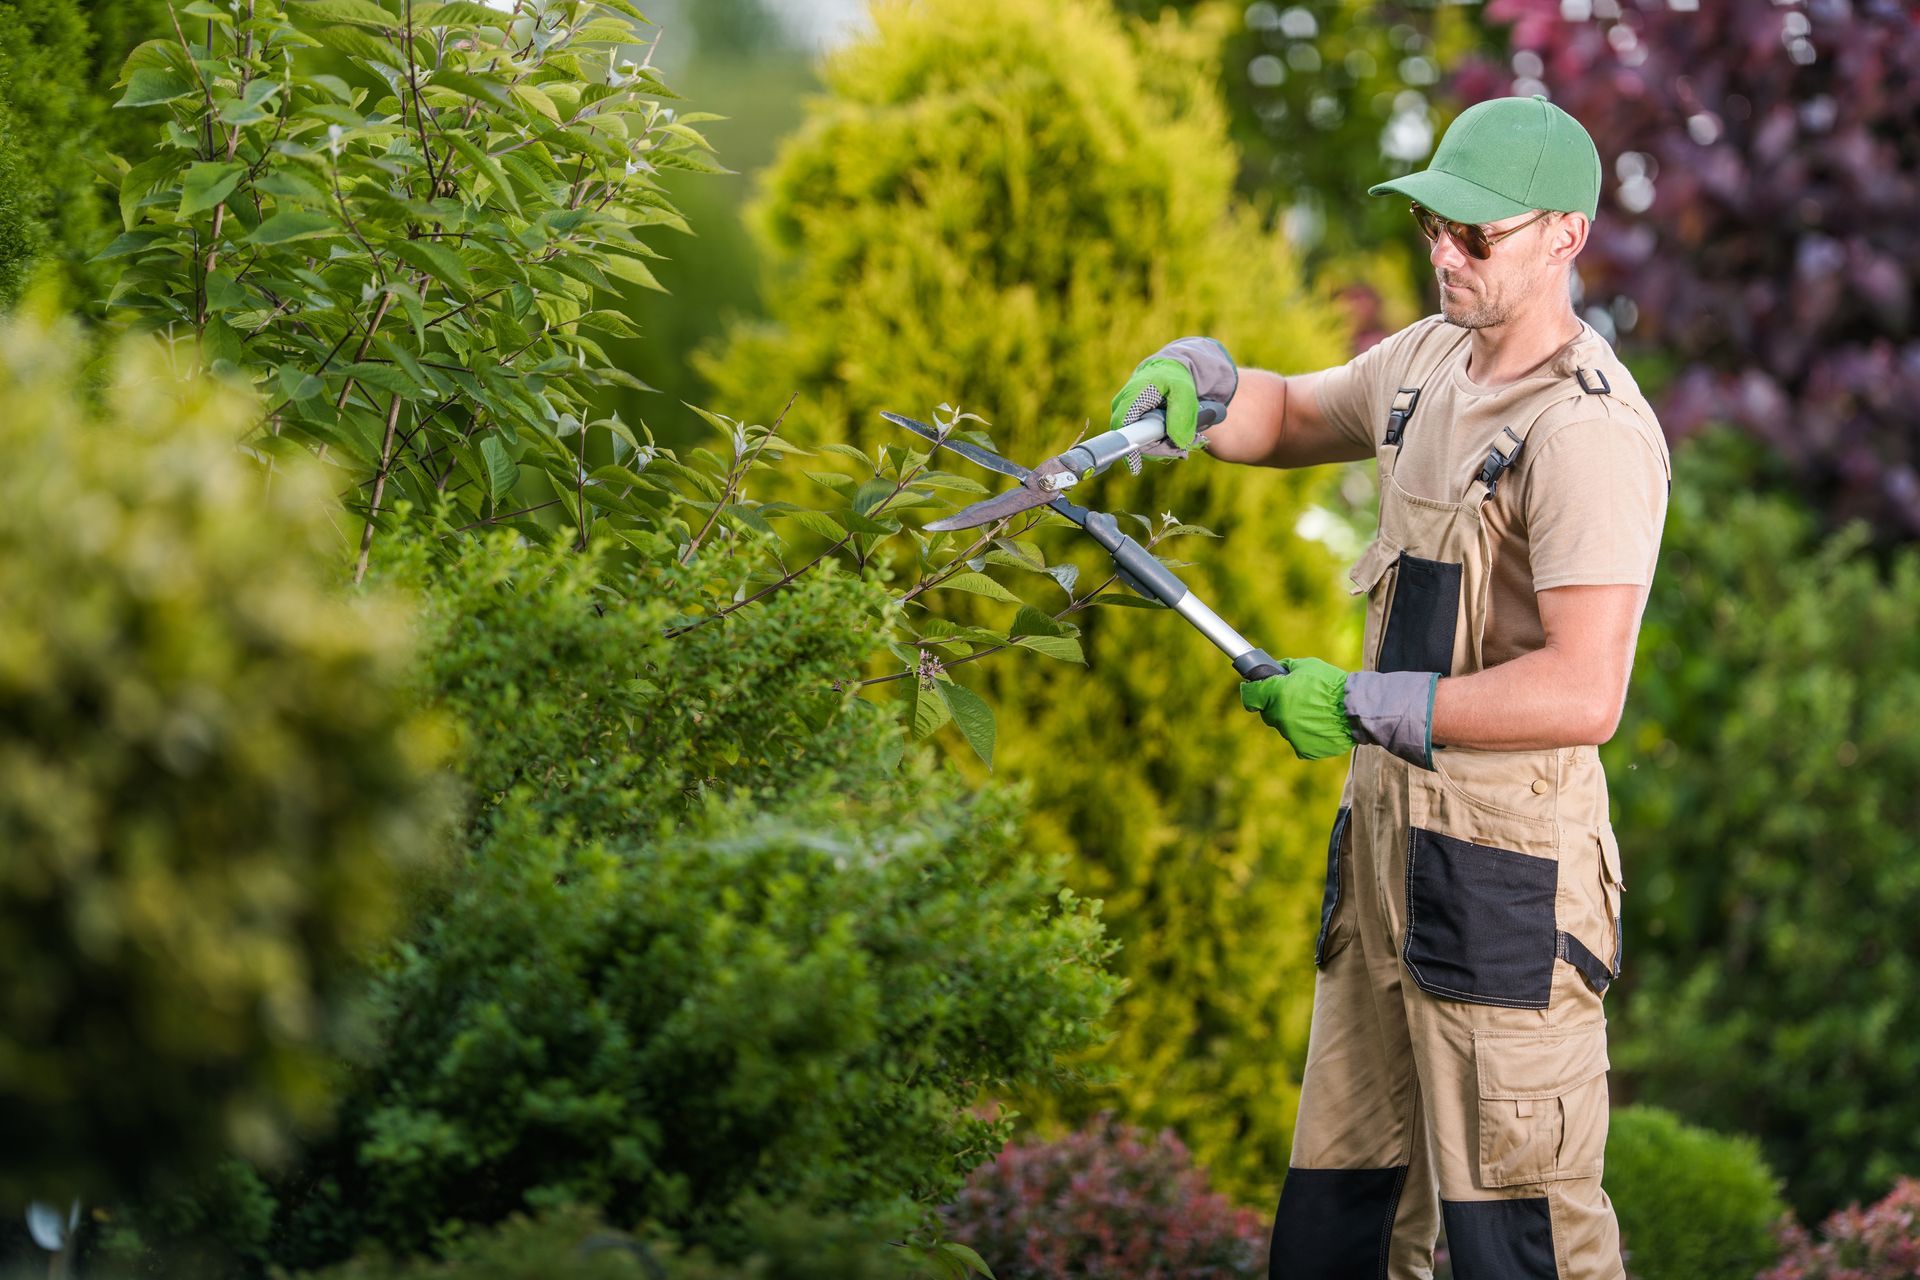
<point x="1477" y="293"/>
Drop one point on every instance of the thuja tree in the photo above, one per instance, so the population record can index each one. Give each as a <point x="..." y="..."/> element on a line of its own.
<point x="51" y="116"/>
<point x="1757" y="227"/>
<point x="1005" y="206"/>
<point x="211" y="778"/>
<point x="409" y="261"/>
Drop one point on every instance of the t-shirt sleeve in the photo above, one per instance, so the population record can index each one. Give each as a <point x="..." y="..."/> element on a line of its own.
<point x="1350" y="394"/>
<point x="1596" y="503"/>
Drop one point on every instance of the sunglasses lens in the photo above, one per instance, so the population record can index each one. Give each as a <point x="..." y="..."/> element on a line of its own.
<point x="1469" y="238"/>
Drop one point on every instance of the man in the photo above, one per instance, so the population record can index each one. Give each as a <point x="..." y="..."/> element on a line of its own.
<point x="1456" y="1067"/>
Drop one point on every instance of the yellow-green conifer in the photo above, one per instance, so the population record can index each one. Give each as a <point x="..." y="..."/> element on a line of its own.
<point x="1005" y="204"/>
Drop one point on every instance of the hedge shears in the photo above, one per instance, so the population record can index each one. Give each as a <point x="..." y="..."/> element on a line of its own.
<point x="1044" y="485"/>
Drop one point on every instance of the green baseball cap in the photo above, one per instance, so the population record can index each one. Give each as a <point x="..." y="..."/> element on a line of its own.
<point x="1504" y="157"/>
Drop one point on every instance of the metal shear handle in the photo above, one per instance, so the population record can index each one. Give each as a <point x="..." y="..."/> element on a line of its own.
<point x="1090" y="457"/>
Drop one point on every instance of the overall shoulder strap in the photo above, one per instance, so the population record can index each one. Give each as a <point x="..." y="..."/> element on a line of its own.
<point x="1400" y="408"/>
<point x="1592" y="382"/>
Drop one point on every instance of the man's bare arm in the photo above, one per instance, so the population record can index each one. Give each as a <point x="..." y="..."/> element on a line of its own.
<point x="1568" y="693"/>
<point x="1276" y="421"/>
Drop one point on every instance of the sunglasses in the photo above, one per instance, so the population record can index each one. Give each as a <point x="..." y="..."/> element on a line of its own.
<point x="1474" y="241"/>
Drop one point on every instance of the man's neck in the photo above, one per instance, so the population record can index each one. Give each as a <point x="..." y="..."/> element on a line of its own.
<point x="1504" y="353"/>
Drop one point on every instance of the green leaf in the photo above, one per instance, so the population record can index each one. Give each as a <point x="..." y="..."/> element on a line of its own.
<point x="136" y="182"/>
<point x="973" y="715"/>
<point x="693" y="161"/>
<point x="618" y="264"/>
<point x="488" y="167"/>
<point x="535" y="100"/>
<point x="224" y="292"/>
<point x="298" y="384"/>
<point x="293" y="224"/>
<point x="816" y="522"/>
<point x="131" y="242"/>
<point x="356" y="43"/>
<point x="979" y="584"/>
<point x="502" y="472"/>
<point x="460" y="13"/>
<point x="434" y="258"/>
<point x="360" y="13"/>
<point x="930" y="711"/>
<point x="207" y="184"/>
<point x="252" y="107"/>
<point x="1065" y="648"/>
<point x="1031" y="622"/>
<point x="382" y="377"/>
<point x="871" y="494"/>
<point x="471" y="86"/>
<point x="150" y="86"/>
<point x="218" y="342"/>
<point x="974" y="1262"/>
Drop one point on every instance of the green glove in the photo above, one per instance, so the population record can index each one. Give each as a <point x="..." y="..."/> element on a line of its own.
<point x="1178" y="376"/>
<point x="1308" y="705"/>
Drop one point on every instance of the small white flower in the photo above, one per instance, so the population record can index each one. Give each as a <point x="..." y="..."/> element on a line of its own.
<point x="367" y="292"/>
<point x="1167" y="518"/>
<point x="334" y="135"/>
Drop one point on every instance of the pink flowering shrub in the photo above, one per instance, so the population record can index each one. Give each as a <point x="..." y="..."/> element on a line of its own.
<point x="1105" y="1203"/>
<point x="1877" y="1243"/>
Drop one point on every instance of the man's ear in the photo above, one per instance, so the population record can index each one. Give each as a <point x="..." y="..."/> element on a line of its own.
<point x="1567" y="237"/>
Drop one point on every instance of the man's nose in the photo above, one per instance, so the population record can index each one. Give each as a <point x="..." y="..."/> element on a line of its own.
<point x="1446" y="252"/>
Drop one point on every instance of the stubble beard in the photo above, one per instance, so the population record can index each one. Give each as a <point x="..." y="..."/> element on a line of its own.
<point x="1481" y="312"/>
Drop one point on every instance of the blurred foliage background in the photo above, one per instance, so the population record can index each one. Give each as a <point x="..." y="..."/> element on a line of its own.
<point x="1003" y="206"/>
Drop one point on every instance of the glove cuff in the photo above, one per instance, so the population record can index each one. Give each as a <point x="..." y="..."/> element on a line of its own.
<point x="1394" y="709"/>
<point x="1215" y="376"/>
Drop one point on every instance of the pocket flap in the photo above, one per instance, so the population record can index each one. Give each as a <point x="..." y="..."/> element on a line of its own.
<point x="1372" y="563"/>
<point x="1538" y="1064"/>
<point x="1610" y="856"/>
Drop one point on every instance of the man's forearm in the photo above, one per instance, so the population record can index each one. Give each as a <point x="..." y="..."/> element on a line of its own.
<point x="1254" y="420"/>
<point x="1537" y="701"/>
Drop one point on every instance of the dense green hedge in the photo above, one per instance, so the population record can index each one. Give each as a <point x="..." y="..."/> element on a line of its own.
<point x="791" y="990"/>
<point x="1692" y="1204"/>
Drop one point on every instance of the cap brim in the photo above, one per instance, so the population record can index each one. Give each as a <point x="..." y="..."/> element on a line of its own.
<point x="1452" y="198"/>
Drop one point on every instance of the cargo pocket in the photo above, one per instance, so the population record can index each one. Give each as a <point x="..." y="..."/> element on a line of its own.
<point x="1615" y="885"/>
<point x="1335" y="932"/>
<point x="1543" y="1103"/>
<point x="1420" y="625"/>
<point x="1480" y="921"/>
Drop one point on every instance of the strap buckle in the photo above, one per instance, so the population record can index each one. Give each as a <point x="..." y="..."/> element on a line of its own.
<point x="1605" y="387"/>
<point x="1398" y="414"/>
<point x="1498" y="462"/>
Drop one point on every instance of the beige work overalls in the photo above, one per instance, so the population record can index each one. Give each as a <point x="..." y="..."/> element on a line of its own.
<point x="1456" y="1066"/>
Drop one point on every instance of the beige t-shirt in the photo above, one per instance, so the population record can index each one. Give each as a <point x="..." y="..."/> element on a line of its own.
<point x="1585" y="499"/>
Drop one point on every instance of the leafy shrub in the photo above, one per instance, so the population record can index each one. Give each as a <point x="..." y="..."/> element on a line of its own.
<point x="210" y="776"/>
<point x="1759" y="229"/>
<point x="1692" y="1205"/>
<point x="788" y="992"/>
<point x="1881" y="1242"/>
<point x="570" y="1244"/>
<point x="1006" y="205"/>
<point x="1768" y="764"/>
<point x="1107" y="1202"/>
<point x="410" y="260"/>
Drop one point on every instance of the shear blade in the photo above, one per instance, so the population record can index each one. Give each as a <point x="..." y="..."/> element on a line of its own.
<point x="971" y="452"/>
<point x="987" y="510"/>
